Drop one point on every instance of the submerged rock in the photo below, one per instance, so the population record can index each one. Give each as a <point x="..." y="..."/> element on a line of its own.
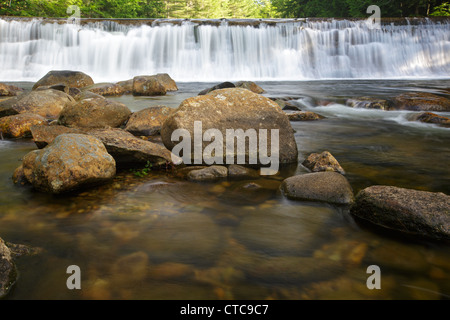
<point x="321" y="186"/>
<point x="69" y="162"/>
<point x="410" y="211"/>
<point x="8" y="273"/>
<point x="236" y="110"/>
<point x="304" y="116"/>
<point x="322" y="162"/>
<point x="428" y="117"/>
<point x="421" y="101"/>
<point x="73" y="79"/>
<point x="94" y="113"/>
<point x="46" y="103"/>
<point x="249" y="85"/>
<point x="370" y="103"/>
<point x="222" y="85"/>
<point x="19" y="125"/>
<point x="148" y="121"/>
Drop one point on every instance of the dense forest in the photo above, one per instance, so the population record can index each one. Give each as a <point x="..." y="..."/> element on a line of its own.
<point x="223" y="8"/>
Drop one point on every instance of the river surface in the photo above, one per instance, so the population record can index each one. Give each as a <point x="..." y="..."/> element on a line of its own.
<point x="162" y="237"/>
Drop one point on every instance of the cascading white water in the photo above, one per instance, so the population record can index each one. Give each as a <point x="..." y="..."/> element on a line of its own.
<point x="200" y="52"/>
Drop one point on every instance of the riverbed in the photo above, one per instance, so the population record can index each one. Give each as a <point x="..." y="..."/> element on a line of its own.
<point x="162" y="237"/>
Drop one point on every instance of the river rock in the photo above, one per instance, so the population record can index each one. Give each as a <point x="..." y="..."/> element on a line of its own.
<point x="73" y="79"/>
<point x="60" y="87"/>
<point x="233" y="109"/>
<point x="304" y="116"/>
<point x="211" y="173"/>
<point x="148" y="121"/>
<point x="167" y="82"/>
<point x="322" y="162"/>
<point x="370" y="103"/>
<point x="19" y="125"/>
<point x="236" y="171"/>
<point x="148" y="86"/>
<point x="131" y="268"/>
<point x="106" y="89"/>
<point x="429" y="117"/>
<point x="94" y="113"/>
<point x="319" y="186"/>
<point x="222" y="85"/>
<point x="18" y="176"/>
<point x="127" y="149"/>
<point x="249" y="85"/>
<point x="69" y="162"/>
<point x="421" y="101"/>
<point x="8" y="272"/>
<point x="127" y="86"/>
<point x="410" y="211"/>
<point x="44" y="135"/>
<point x="9" y="90"/>
<point x="46" y="103"/>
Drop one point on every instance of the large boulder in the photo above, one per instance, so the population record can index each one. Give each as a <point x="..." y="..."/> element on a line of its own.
<point x="127" y="86"/>
<point x="421" y="101"/>
<point x="329" y="187"/>
<point x="96" y="112"/>
<point x="128" y="149"/>
<point x="9" y="90"/>
<point x="73" y="79"/>
<point x="148" y="121"/>
<point x="148" y="86"/>
<point x="46" y="103"/>
<point x="19" y="125"/>
<point x="8" y="272"/>
<point x="238" y="110"/>
<point x="69" y="162"/>
<point x="409" y="211"/>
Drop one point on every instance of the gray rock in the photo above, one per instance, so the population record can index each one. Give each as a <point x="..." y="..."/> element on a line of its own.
<point x="208" y="174"/>
<point x="321" y="186"/>
<point x="239" y="172"/>
<point x="410" y="211"/>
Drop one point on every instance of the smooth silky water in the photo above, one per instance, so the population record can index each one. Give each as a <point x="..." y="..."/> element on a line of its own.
<point x="162" y="237"/>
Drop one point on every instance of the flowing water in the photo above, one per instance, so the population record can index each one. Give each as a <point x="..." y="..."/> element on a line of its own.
<point x="162" y="237"/>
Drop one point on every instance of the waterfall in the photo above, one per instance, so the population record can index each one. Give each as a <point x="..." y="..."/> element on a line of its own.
<point x="193" y="51"/>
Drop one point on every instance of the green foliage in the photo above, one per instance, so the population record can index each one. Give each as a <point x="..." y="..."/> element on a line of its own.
<point x="442" y="10"/>
<point x="144" y="171"/>
<point x="215" y="9"/>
